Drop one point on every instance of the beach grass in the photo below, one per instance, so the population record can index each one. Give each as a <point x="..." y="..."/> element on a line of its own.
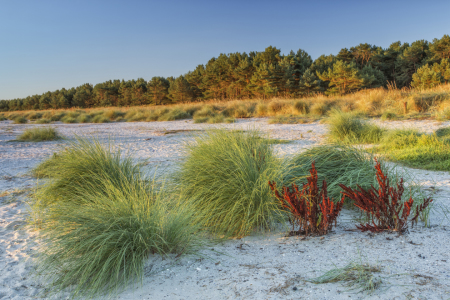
<point x="225" y="175"/>
<point x="40" y="134"/>
<point x="100" y="217"/>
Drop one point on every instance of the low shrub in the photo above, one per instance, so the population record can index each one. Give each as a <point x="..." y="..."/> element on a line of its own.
<point x="224" y="176"/>
<point x="34" y="116"/>
<point x="310" y="208"/>
<point x="100" y="218"/>
<point x="261" y="109"/>
<point x="289" y="119"/>
<point x="113" y="114"/>
<point x="39" y="135"/>
<point x="384" y="206"/>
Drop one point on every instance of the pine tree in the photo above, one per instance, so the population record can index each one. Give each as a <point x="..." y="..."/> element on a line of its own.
<point x="344" y="78"/>
<point x="426" y="77"/>
<point x="180" y="90"/>
<point x="158" y="89"/>
<point x="409" y="61"/>
<point x="373" y="78"/>
<point x="309" y="83"/>
<point x="439" y="49"/>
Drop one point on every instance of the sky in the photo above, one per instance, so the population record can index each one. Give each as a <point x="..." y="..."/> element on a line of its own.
<point x="48" y="45"/>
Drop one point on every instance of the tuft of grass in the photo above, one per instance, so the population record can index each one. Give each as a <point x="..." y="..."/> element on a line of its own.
<point x="225" y="177"/>
<point x="174" y="114"/>
<point x="301" y="107"/>
<point x="39" y="135"/>
<point x="337" y="164"/>
<point x="290" y="119"/>
<point x="83" y="118"/>
<point x="57" y="116"/>
<point x="99" y="218"/>
<point x="43" y="121"/>
<point x="388" y="116"/>
<point x="100" y="119"/>
<point x="356" y="275"/>
<point x="20" y="120"/>
<point x="346" y="127"/>
<point x="67" y="119"/>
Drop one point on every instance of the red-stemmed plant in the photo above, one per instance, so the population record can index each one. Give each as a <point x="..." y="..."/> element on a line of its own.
<point x="311" y="209"/>
<point x="384" y="207"/>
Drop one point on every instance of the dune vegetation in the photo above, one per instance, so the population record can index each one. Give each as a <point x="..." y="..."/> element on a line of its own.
<point x="39" y="134"/>
<point x="100" y="215"/>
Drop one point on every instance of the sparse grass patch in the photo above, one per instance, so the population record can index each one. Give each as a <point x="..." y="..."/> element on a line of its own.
<point x="356" y="275"/>
<point x="100" y="119"/>
<point x="39" y="135"/>
<point x="388" y="116"/>
<point x="424" y="151"/>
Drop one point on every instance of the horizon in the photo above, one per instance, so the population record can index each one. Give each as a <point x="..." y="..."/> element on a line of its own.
<point x="50" y="45"/>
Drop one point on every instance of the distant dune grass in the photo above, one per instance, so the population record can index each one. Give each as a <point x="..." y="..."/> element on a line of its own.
<point x="100" y="217"/>
<point x="386" y="103"/>
<point x="40" y="134"/>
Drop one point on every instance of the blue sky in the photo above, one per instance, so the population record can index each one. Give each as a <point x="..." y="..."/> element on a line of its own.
<point x="47" y="45"/>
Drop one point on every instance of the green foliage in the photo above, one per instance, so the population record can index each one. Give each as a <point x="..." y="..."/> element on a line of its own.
<point x="347" y="127"/>
<point x="68" y="119"/>
<point x="20" y="120"/>
<point x="224" y="176"/>
<point x="266" y="75"/>
<point x="337" y="164"/>
<point x="343" y="78"/>
<point x="100" y="218"/>
<point x="388" y="116"/>
<point x="39" y="135"/>
<point x="43" y="121"/>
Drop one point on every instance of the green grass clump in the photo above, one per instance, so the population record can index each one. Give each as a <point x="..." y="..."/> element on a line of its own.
<point x="174" y="114"/>
<point x="57" y="117"/>
<point x="225" y="177"/>
<point x="443" y="132"/>
<point x="301" y="107"/>
<point x="346" y="127"/>
<point x="388" y="116"/>
<point x="20" y="120"/>
<point x="337" y="164"/>
<point x="424" y="151"/>
<point x="100" y="218"/>
<point x="69" y="120"/>
<point x="39" y="135"/>
<point x="289" y="119"/>
<point x="100" y="119"/>
<point x="83" y="118"/>
<point x="43" y="121"/>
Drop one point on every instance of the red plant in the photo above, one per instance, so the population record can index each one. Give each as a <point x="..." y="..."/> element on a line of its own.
<point x="384" y="206"/>
<point x="311" y="209"/>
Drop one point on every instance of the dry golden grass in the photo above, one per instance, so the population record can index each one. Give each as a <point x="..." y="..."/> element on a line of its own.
<point x="404" y="104"/>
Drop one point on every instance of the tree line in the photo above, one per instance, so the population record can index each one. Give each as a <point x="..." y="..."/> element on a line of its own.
<point x="265" y="75"/>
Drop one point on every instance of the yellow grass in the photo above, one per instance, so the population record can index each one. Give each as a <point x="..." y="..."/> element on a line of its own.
<point x="404" y="103"/>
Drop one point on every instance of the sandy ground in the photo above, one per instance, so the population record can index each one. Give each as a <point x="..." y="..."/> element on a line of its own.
<point x="264" y="266"/>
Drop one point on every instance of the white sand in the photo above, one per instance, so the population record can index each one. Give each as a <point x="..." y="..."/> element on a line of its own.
<point x="265" y="266"/>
